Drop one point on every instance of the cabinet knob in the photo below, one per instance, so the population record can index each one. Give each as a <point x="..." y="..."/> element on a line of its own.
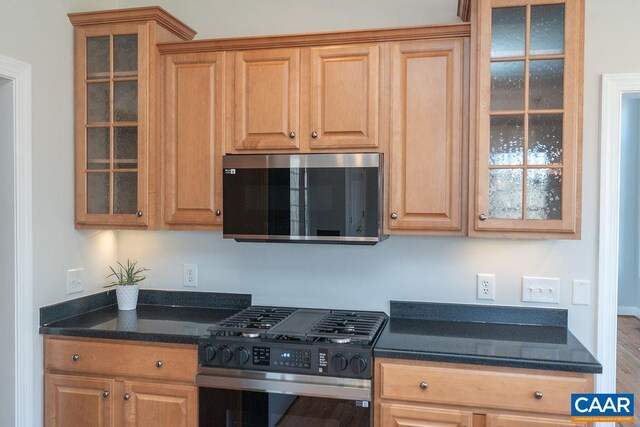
<point x="75" y="357"/>
<point x="314" y="134"/>
<point x="424" y="385"/>
<point x="218" y="212"/>
<point x="139" y="214"/>
<point x="394" y="215"/>
<point x="159" y="364"/>
<point x="482" y="217"/>
<point x="292" y="134"/>
<point x="538" y="395"/>
<point x="105" y="394"/>
<point x="127" y="396"/>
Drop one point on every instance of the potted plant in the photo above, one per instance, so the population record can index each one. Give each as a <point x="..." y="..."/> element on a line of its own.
<point x="125" y="280"/>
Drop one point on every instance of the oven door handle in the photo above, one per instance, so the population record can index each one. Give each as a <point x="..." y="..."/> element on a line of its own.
<point x="298" y="384"/>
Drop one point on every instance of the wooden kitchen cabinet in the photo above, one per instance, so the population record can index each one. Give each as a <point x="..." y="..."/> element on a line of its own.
<point x="194" y="118"/>
<point x="116" y="98"/>
<point x="422" y="393"/>
<point x="79" y="401"/>
<point x="119" y="383"/>
<point x="266" y="91"/>
<point x="427" y="147"/>
<point x="410" y="416"/>
<point x="528" y="119"/>
<point x="305" y="99"/>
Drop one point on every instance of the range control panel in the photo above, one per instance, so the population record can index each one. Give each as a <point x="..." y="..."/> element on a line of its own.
<point x="328" y="360"/>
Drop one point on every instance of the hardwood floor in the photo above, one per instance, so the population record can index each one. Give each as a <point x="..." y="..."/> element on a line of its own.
<point x="628" y="363"/>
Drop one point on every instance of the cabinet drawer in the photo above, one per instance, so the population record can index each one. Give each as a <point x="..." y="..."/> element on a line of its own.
<point x="118" y="358"/>
<point x="487" y="388"/>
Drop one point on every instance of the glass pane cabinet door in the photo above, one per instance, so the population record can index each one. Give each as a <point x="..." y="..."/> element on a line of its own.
<point x="529" y="59"/>
<point x="112" y="162"/>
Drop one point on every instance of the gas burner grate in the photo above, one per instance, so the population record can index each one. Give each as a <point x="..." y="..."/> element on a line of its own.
<point x="348" y="326"/>
<point x="251" y="322"/>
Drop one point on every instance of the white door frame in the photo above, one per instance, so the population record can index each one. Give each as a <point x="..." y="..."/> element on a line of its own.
<point x="20" y="74"/>
<point x="613" y="87"/>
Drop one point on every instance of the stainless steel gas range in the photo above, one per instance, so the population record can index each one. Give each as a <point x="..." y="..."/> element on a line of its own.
<point x="280" y="366"/>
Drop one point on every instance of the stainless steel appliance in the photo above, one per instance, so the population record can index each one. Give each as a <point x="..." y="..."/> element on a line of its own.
<point x="325" y="198"/>
<point x="278" y="366"/>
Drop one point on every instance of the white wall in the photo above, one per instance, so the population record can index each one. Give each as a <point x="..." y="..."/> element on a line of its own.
<point x="628" y="272"/>
<point x="7" y="253"/>
<point x="39" y="33"/>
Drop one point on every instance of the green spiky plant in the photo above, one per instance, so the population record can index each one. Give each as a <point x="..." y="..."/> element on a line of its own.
<point x="127" y="275"/>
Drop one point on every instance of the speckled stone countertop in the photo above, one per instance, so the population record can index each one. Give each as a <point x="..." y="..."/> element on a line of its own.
<point x="161" y="316"/>
<point x="520" y="337"/>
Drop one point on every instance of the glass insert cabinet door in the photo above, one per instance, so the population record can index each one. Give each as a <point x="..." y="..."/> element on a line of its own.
<point x="529" y="116"/>
<point x="110" y="125"/>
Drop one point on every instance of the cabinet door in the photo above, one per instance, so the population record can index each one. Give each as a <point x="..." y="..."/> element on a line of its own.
<point x="396" y="415"/>
<point x="344" y="91"/>
<point x="160" y="405"/>
<point x="111" y="125"/>
<point x="499" y="420"/>
<point x="426" y="152"/>
<point x="78" y="401"/>
<point x="267" y="92"/>
<point x="194" y="122"/>
<point x="529" y="117"/>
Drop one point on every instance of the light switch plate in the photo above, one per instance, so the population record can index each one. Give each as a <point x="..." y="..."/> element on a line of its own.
<point x="541" y="289"/>
<point x="74" y="281"/>
<point x="581" y="292"/>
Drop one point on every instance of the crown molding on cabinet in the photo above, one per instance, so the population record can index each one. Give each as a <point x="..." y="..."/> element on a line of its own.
<point x="318" y="39"/>
<point x="464" y="10"/>
<point x="153" y="13"/>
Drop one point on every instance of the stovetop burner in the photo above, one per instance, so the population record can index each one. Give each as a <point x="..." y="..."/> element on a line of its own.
<point x="308" y="325"/>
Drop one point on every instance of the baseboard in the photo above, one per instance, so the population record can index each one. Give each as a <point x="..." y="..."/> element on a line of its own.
<point x="628" y="310"/>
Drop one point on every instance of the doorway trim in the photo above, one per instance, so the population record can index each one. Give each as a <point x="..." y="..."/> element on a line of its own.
<point x="614" y="86"/>
<point x="20" y="74"/>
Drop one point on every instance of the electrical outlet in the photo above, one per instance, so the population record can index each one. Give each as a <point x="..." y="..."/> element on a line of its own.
<point x="74" y="281"/>
<point x="190" y="276"/>
<point x="486" y="285"/>
<point x="541" y="289"/>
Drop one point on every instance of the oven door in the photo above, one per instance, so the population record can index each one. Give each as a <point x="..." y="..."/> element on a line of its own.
<point x="231" y="398"/>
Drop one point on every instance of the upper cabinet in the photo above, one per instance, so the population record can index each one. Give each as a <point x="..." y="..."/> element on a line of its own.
<point x="529" y="118"/>
<point x="426" y="156"/>
<point x="304" y="99"/>
<point x="116" y="73"/>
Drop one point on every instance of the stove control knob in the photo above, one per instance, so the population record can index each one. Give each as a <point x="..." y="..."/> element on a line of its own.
<point x="339" y="363"/>
<point x="358" y="364"/>
<point x="227" y="355"/>
<point x="242" y="355"/>
<point x="209" y="353"/>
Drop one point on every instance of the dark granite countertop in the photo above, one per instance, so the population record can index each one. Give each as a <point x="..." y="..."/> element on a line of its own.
<point x="161" y="316"/>
<point x="519" y="337"/>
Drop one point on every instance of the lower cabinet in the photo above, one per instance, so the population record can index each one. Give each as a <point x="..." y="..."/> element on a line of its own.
<point x="102" y="383"/>
<point x="424" y="394"/>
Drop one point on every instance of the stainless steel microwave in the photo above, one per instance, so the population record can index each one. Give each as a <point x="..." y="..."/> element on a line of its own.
<point x="312" y="198"/>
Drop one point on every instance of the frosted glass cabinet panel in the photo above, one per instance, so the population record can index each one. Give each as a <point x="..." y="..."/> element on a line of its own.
<point x="527" y="176"/>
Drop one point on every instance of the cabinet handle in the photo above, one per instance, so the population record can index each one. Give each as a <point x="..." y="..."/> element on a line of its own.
<point x="139" y="214"/>
<point x="127" y="396"/>
<point x="105" y="394"/>
<point x="75" y="357"/>
<point x="538" y="395"/>
<point x="159" y="364"/>
<point x="394" y="215"/>
<point x="218" y="212"/>
<point x="482" y="217"/>
<point x="314" y="134"/>
<point x="424" y="385"/>
<point x="292" y="134"/>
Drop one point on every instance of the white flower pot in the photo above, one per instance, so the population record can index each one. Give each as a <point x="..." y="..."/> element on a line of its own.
<point x="127" y="297"/>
